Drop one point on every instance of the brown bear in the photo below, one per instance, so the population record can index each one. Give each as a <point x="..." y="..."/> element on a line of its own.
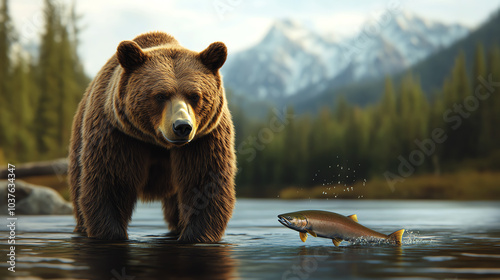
<point x="154" y="124"/>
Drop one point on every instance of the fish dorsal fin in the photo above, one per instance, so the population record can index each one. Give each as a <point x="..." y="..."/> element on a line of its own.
<point x="312" y="233"/>
<point x="303" y="236"/>
<point x="353" y="217"/>
<point x="336" y="241"/>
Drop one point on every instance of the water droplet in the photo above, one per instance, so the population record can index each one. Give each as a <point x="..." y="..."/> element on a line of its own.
<point x="341" y="167"/>
<point x="329" y="166"/>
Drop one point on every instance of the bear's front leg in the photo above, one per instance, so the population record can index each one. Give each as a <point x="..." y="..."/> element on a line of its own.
<point x="206" y="190"/>
<point x="113" y="168"/>
<point x="205" y="209"/>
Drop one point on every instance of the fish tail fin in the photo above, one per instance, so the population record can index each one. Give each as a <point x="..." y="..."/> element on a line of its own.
<point x="396" y="236"/>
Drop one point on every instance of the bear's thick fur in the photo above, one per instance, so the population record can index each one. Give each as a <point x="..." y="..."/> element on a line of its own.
<point x="154" y="124"/>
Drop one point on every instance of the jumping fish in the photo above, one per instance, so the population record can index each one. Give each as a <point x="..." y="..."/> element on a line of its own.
<point x="335" y="226"/>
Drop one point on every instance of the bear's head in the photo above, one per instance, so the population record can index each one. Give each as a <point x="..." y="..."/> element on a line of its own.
<point x="169" y="94"/>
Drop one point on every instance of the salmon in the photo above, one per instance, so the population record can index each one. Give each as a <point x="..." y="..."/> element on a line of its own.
<point x="334" y="226"/>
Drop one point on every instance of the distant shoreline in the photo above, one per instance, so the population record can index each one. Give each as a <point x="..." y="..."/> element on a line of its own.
<point x="463" y="185"/>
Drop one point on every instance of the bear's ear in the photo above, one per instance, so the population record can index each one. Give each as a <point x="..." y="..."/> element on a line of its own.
<point x="214" y="56"/>
<point x="130" y="55"/>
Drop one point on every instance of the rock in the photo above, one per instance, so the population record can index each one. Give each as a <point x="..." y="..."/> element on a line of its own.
<point x="34" y="200"/>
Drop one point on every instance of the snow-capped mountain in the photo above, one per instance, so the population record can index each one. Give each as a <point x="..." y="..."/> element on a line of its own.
<point x="293" y="58"/>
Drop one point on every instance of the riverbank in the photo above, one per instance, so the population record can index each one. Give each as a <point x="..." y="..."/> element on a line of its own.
<point x="463" y="185"/>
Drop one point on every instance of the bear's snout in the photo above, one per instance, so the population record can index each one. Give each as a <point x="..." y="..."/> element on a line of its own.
<point x="178" y="125"/>
<point x="182" y="128"/>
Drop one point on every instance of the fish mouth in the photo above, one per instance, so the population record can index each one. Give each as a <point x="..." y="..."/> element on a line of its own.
<point x="284" y="221"/>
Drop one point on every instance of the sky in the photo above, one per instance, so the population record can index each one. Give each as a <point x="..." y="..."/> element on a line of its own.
<point x="237" y="23"/>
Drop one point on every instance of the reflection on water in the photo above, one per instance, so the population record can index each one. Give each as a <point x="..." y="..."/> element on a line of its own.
<point x="444" y="240"/>
<point x="154" y="260"/>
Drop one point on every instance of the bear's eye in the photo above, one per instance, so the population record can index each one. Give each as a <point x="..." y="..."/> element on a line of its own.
<point x="194" y="98"/>
<point x="161" y="97"/>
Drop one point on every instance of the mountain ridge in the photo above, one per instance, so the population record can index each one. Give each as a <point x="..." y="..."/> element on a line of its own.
<point x="292" y="58"/>
<point x="432" y="71"/>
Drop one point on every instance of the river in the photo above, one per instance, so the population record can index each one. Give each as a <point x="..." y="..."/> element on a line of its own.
<point x="444" y="239"/>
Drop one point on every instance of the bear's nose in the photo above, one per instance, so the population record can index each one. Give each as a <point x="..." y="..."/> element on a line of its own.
<point x="182" y="128"/>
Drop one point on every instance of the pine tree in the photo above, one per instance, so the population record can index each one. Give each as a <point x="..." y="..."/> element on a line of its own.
<point x="342" y="109"/>
<point x="494" y="100"/>
<point x="435" y="121"/>
<point x="6" y="38"/>
<point x="61" y="79"/>
<point x="46" y="120"/>
<point x="462" y="134"/>
<point x="407" y="127"/>
<point x="388" y="104"/>
<point x="386" y="143"/>
<point x="482" y="117"/>
<point x="22" y="114"/>
<point x="72" y="79"/>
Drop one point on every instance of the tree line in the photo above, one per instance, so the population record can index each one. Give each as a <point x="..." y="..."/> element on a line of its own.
<point x="402" y="134"/>
<point x="39" y="92"/>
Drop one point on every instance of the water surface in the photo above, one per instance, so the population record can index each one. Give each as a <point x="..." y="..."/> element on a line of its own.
<point x="453" y="240"/>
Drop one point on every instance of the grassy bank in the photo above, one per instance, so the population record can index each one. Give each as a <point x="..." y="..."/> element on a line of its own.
<point x="465" y="185"/>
